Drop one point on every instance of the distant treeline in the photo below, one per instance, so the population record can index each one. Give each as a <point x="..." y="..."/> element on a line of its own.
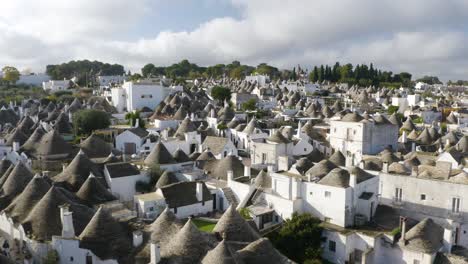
<point x="84" y="70"/>
<point x="362" y="75"/>
<point x="185" y="69"/>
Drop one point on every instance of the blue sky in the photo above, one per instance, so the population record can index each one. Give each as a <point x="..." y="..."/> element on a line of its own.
<point x="181" y="15"/>
<point x="424" y="37"/>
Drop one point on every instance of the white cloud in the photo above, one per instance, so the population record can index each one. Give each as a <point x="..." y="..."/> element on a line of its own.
<point x="419" y="36"/>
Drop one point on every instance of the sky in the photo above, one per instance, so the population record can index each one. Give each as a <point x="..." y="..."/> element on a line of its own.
<point x="423" y="37"/>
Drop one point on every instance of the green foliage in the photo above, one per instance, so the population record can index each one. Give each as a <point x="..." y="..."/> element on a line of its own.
<point x="20" y="92"/>
<point x="429" y="80"/>
<point x="203" y="225"/>
<point x="221" y="93"/>
<point x="418" y="120"/>
<point x="392" y="109"/>
<point x="245" y="213"/>
<point x="88" y="120"/>
<point x="250" y="105"/>
<point x="185" y="69"/>
<point x="132" y="117"/>
<point x="10" y="74"/>
<point x="84" y="70"/>
<point x="443" y="126"/>
<point x="299" y="238"/>
<point x="52" y="257"/>
<point x="395" y="231"/>
<point x="222" y="126"/>
<point x="265" y="69"/>
<point x="362" y="75"/>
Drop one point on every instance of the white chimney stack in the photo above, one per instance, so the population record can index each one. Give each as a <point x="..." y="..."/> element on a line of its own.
<point x="404" y="138"/>
<point x="352" y="180"/>
<point x="155" y="250"/>
<point x="199" y="191"/>
<point x="68" y="230"/>
<point x="230" y="176"/>
<point x="247" y="171"/>
<point x="137" y="122"/>
<point x="137" y="238"/>
<point x="385" y="167"/>
<point x="403" y="229"/>
<point x="16" y="146"/>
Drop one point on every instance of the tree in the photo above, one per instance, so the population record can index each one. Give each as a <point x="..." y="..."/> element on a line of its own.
<point x="392" y="109"/>
<point x="147" y="70"/>
<point x="221" y="93"/>
<point x="236" y="73"/>
<point x="132" y="118"/>
<point x="299" y="238"/>
<point x="250" y="105"/>
<point x="88" y="120"/>
<point x="10" y="74"/>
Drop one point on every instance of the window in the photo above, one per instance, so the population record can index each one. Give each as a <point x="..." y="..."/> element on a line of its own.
<point x="332" y="246"/>
<point x="264" y="158"/>
<point x="203" y="203"/>
<point x="334" y="130"/>
<point x="310" y="193"/>
<point x="398" y="194"/>
<point x="455" y="205"/>
<point x="423" y="197"/>
<point x="71" y="259"/>
<point x="327" y="194"/>
<point x="354" y="132"/>
<point x="305" y="149"/>
<point x="175" y="210"/>
<point x="151" y="209"/>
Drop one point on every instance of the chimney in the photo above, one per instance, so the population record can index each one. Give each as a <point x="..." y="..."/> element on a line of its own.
<point x="137" y="238"/>
<point x="137" y="122"/>
<point x="230" y="176"/>
<point x="404" y="138"/>
<point x="448" y="239"/>
<point x="362" y="164"/>
<point x="283" y="163"/>
<point x="70" y="117"/>
<point x="199" y="191"/>
<point x="385" y="167"/>
<point x="348" y="160"/>
<point x="299" y="128"/>
<point x="16" y="146"/>
<point x="413" y="147"/>
<point x="68" y="231"/>
<point x="212" y="113"/>
<point x="64" y="166"/>
<point x="403" y="229"/>
<point x="414" y="171"/>
<point x="155" y="250"/>
<point x="352" y="179"/>
<point x="247" y="171"/>
<point x="271" y="168"/>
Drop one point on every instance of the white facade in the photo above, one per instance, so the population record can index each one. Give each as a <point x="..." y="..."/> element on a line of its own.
<point x="56" y="85"/>
<point x="445" y="202"/>
<point x="107" y="80"/>
<point x="136" y="95"/>
<point x="261" y="80"/>
<point x="124" y="187"/>
<point x="355" y="139"/>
